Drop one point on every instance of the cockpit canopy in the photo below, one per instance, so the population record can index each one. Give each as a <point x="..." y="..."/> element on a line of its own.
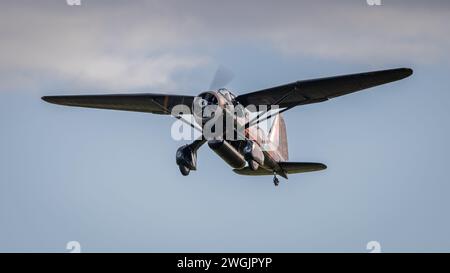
<point x="226" y="94"/>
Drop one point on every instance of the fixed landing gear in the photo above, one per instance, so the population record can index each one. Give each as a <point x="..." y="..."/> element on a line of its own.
<point x="186" y="159"/>
<point x="276" y="182"/>
<point x="184" y="170"/>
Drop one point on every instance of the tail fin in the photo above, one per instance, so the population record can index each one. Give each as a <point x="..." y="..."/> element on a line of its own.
<point x="278" y="136"/>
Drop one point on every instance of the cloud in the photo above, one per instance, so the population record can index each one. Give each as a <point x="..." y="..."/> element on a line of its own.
<point x="349" y="31"/>
<point x="89" y="48"/>
<point x="370" y="34"/>
<point x="139" y="44"/>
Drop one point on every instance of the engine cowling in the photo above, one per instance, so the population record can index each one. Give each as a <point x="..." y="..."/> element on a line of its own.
<point x="207" y="106"/>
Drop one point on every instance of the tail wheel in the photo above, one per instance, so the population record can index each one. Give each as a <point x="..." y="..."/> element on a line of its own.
<point x="276" y="182"/>
<point x="184" y="170"/>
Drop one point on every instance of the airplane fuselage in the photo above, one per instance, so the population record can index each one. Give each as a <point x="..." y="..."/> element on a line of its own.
<point x="238" y="143"/>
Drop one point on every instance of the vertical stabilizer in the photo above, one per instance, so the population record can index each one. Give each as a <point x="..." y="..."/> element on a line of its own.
<point x="278" y="136"/>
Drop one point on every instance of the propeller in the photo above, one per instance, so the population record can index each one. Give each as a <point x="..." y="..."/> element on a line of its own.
<point x="222" y="77"/>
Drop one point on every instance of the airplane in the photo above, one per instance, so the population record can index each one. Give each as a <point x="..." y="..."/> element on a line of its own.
<point x="247" y="154"/>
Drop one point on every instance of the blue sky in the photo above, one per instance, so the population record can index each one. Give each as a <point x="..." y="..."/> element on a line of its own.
<point x="108" y="179"/>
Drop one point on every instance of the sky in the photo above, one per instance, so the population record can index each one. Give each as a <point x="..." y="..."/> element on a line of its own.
<point x="108" y="179"/>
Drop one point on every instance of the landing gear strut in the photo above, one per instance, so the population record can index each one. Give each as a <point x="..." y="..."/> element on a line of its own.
<point x="276" y="182"/>
<point x="186" y="157"/>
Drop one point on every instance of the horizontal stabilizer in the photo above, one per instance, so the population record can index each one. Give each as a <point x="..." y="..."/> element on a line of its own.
<point x="288" y="167"/>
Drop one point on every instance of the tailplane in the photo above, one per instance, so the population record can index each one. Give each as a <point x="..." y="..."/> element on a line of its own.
<point x="288" y="167"/>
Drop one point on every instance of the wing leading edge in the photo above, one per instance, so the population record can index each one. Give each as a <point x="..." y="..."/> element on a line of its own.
<point x="150" y="103"/>
<point x="288" y="95"/>
<point x="318" y="90"/>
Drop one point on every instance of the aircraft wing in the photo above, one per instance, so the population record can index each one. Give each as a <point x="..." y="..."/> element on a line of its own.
<point x="318" y="90"/>
<point x="150" y="103"/>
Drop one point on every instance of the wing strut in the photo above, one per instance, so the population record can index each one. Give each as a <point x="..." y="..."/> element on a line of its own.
<point x="177" y="117"/>
<point x="257" y="119"/>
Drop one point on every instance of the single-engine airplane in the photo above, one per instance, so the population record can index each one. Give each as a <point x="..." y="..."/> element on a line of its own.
<point x="253" y="153"/>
